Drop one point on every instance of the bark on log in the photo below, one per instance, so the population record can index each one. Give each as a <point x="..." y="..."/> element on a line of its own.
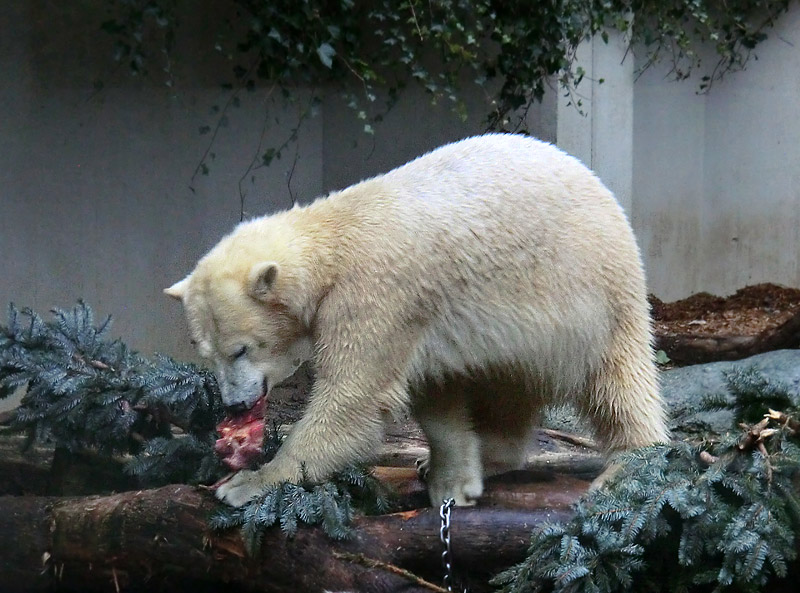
<point x="158" y="540"/>
<point x="44" y="471"/>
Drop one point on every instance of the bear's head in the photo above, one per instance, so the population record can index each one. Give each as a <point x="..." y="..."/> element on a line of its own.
<point x="242" y="320"/>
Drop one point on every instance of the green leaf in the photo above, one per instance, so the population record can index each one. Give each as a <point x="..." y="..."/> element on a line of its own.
<point x="326" y="52"/>
<point x="268" y="156"/>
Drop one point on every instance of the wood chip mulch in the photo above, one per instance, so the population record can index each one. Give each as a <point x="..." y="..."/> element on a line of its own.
<point x="705" y="327"/>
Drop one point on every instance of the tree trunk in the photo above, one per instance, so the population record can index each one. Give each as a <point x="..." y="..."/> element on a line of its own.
<point x="158" y="540"/>
<point x="53" y="537"/>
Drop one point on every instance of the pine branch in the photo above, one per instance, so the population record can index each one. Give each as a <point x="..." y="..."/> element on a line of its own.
<point x="330" y="505"/>
<point x="84" y="391"/>
<point x="724" y="513"/>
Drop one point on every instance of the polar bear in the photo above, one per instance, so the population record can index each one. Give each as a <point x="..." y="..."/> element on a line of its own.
<point x="471" y="286"/>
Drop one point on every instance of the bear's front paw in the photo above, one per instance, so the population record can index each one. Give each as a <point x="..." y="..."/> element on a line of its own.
<point x="241" y="488"/>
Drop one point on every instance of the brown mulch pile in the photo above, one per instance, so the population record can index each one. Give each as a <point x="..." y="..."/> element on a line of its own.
<point x="755" y="319"/>
<point x="748" y="312"/>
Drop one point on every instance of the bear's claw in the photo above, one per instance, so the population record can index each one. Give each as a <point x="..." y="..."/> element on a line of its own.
<point x="241" y="488"/>
<point x="423" y="465"/>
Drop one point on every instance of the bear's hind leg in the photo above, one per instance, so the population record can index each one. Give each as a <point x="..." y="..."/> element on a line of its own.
<point x="623" y="402"/>
<point x="453" y="467"/>
<point x="504" y="411"/>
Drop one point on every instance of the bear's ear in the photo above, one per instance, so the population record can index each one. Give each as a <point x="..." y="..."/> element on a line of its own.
<point x="262" y="279"/>
<point x="178" y="290"/>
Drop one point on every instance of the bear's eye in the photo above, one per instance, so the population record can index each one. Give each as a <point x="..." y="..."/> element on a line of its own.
<point x="239" y="352"/>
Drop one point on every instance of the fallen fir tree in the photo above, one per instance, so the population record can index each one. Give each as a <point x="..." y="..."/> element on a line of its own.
<point x="719" y="513"/>
<point x="86" y="392"/>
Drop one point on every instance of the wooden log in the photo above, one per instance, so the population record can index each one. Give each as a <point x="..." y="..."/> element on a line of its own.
<point x="158" y="540"/>
<point x="41" y="470"/>
<point x="525" y="489"/>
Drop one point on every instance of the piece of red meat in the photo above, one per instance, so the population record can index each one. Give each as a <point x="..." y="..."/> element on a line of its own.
<point x="241" y="439"/>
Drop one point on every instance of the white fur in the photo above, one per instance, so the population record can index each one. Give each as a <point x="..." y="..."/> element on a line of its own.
<point x="473" y="285"/>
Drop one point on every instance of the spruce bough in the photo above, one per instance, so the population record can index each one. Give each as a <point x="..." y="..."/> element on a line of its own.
<point x="720" y="514"/>
<point x="84" y="391"/>
<point x="87" y="392"/>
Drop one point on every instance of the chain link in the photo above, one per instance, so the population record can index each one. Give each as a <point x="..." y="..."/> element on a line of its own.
<point x="444" y="537"/>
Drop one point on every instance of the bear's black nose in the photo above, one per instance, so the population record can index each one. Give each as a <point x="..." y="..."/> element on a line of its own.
<point x="236" y="409"/>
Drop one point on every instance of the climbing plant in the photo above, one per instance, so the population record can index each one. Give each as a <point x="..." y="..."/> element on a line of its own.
<point x="370" y="51"/>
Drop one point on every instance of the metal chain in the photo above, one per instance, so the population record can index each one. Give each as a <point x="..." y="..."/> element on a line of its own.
<point x="444" y="537"/>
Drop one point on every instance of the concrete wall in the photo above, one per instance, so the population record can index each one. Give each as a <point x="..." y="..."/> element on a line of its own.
<point x="669" y="139"/>
<point x="412" y="128"/>
<point x="95" y="196"/>
<point x="710" y="181"/>
<point x="596" y="125"/>
<point x="717" y="176"/>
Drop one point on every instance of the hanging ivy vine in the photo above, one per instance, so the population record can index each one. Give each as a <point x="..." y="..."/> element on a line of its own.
<point x="371" y="50"/>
